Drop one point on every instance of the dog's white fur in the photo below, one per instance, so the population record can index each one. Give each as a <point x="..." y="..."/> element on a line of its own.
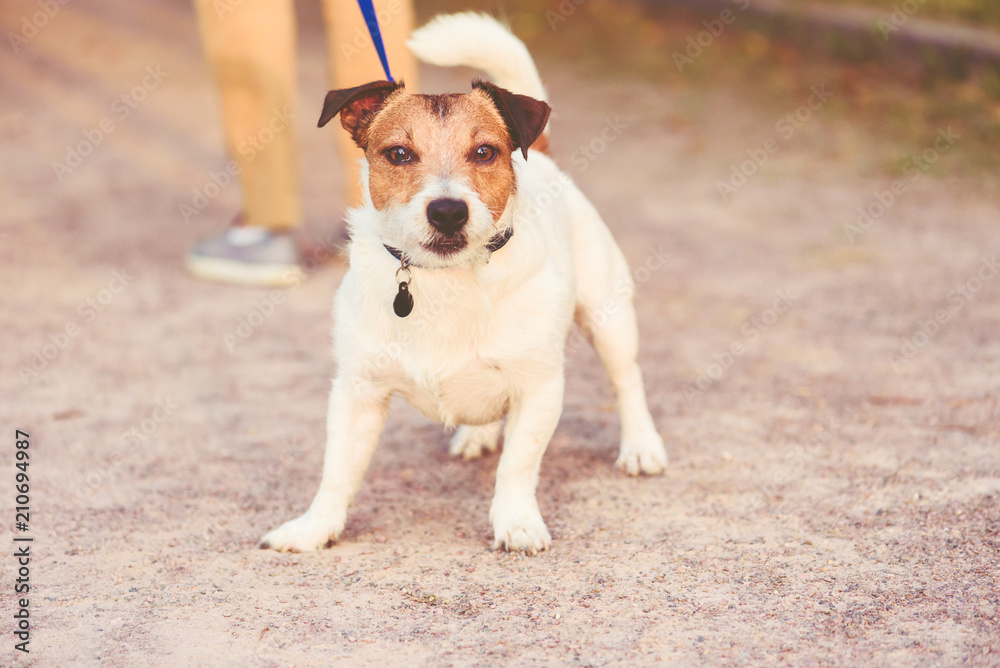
<point x="487" y="334"/>
<point x="480" y="41"/>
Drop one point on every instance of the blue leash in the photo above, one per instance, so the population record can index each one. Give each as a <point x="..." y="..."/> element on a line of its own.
<point x="368" y="11"/>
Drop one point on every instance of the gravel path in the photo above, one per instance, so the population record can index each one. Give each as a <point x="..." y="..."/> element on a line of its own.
<point x="827" y="383"/>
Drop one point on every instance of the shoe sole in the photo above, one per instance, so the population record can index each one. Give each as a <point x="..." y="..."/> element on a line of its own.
<point x="245" y="274"/>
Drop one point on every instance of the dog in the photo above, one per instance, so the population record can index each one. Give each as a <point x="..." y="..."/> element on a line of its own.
<point x="470" y="258"/>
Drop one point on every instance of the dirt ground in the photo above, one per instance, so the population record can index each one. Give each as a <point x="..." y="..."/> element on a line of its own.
<point x="829" y="395"/>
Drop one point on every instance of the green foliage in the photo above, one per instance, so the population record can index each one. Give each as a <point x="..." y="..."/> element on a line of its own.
<point x="982" y="13"/>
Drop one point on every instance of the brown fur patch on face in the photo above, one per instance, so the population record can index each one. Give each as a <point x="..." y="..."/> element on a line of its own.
<point x="442" y="136"/>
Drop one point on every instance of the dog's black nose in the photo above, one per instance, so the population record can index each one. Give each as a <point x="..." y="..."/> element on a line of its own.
<point x="448" y="215"/>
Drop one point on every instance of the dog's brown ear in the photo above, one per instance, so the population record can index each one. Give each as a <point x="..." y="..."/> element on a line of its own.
<point x="525" y="116"/>
<point x="357" y="106"/>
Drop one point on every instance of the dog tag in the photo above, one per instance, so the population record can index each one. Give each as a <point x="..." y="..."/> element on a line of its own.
<point x="403" y="303"/>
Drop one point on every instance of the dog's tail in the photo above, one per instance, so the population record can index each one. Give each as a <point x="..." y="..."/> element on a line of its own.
<point x="480" y="41"/>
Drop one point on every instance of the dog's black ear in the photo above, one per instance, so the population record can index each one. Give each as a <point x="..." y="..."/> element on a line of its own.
<point x="525" y="116"/>
<point x="357" y="106"/>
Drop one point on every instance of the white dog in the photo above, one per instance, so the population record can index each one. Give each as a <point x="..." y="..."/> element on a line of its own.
<point x="469" y="260"/>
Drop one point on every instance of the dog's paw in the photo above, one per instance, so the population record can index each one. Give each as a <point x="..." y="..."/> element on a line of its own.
<point x="304" y="534"/>
<point x="645" y="455"/>
<point x="520" y="531"/>
<point x="469" y="442"/>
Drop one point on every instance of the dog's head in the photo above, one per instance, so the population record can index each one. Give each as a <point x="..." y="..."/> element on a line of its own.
<point x="440" y="169"/>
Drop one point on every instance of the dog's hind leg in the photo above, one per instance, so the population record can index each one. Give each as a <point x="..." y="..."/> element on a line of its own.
<point x="469" y="442"/>
<point x="605" y="314"/>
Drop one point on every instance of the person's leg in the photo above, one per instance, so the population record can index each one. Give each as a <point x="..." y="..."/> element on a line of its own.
<point x="250" y="49"/>
<point x="354" y="61"/>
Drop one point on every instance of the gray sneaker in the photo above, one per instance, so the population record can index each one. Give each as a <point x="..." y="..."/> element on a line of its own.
<point x="249" y="256"/>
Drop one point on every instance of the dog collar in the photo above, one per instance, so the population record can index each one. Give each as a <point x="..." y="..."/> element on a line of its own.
<point x="493" y="245"/>
<point x="402" y="305"/>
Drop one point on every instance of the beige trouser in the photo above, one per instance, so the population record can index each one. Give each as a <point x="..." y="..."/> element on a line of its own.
<point x="251" y="49"/>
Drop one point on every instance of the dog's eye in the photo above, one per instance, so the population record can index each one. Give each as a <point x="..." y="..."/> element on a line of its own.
<point x="485" y="153"/>
<point x="398" y="155"/>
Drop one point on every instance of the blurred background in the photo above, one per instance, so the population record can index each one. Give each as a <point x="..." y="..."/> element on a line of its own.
<point x="897" y="74"/>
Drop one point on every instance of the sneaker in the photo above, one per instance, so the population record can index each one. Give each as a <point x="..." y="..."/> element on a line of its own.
<point x="249" y="256"/>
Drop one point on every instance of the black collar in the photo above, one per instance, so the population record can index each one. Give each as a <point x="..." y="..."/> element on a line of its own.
<point x="494" y="244"/>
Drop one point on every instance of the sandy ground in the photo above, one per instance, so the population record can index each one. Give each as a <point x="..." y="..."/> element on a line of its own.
<point x="832" y="497"/>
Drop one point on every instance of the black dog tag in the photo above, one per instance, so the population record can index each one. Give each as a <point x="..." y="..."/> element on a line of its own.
<point x="403" y="303"/>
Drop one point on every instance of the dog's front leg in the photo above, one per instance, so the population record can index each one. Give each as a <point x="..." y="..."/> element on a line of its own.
<point x="354" y="423"/>
<point x="531" y="420"/>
